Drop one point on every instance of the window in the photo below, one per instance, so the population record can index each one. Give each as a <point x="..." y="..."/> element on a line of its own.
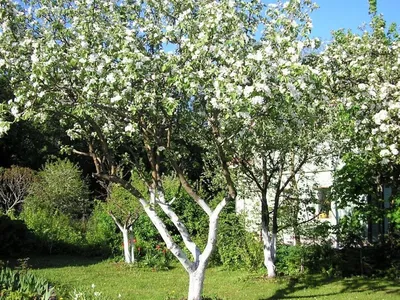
<point x="324" y="203"/>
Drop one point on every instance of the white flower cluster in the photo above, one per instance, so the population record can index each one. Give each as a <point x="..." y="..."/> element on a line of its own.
<point x="370" y="88"/>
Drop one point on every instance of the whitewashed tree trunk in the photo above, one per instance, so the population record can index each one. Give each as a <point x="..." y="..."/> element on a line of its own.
<point x="127" y="247"/>
<point x="197" y="268"/>
<point x="127" y="238"/>
<point x="269" y="249"/>
<point x="196" y="281"/>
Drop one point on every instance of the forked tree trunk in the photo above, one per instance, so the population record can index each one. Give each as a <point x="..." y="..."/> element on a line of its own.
<point x="127" y="238"/>
<point x="196" y="268"/>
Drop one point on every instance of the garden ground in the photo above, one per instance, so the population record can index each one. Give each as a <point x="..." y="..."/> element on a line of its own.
<point x="115" y="278"/>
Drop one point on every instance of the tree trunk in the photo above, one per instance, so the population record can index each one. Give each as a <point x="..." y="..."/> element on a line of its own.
<point x="128" y="250"/>
<point x="196" y="281"/>
<point x="269" y="241"/>
<point x="129" y="247"/>
<point x="297" y="238"/>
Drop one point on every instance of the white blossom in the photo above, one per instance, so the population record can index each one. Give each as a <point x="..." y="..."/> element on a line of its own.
<point x="248" y="90"/>
<point x="362" y="86"/>
<point x="14" y="111"/>
<point x="129" y="128"/>
<point x="393" y="149"/>
<point x="34" y="58"/>
<point x="115" y="99"/>
<point x="4" y="127"/>
<point x="110" y="78"/>
<point x="381" y="116"/>
<point x="384" y="153"/>
<point x="257" y="100"/>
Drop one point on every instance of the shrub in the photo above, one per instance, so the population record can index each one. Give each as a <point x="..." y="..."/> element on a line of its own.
<point x="14" y="185"/>
<point x="237" y="247"/>
<point x="101" y="235"/>
<point x="294" y="260"/>
<point x="53" y="208"/>
<point x="290" y="260"/>
<point x="56" y="232"/>
<point x="60" y="187"/>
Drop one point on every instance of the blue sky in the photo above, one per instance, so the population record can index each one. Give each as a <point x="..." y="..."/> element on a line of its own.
<point x="336" y="14"/>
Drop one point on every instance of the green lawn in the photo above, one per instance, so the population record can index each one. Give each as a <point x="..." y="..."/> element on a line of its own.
<point x="140" y="283"/>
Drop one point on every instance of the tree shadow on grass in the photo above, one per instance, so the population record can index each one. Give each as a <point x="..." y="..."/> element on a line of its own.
<point x="360" y="284"/>
<point x="350" y="285"/>
<point x="18" y="242"/>
<point x="296" y="284"/>
<point x="50" y="261"/>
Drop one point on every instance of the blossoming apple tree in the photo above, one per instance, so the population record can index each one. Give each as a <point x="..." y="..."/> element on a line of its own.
<point x="137" y="80"/>
<point x="283" y="121"/>
<point x="363" y="78"/>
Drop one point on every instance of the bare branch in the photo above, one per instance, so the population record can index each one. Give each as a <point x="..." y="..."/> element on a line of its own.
<point x="116" y="221"/>
<point x="185" y="184"/>
<point x="222" y="156"/>
<point x="293" y="173"/>
<point x="251" y="174"/>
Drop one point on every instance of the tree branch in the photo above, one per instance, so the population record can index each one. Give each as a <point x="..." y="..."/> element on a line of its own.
<point x="222" y="156"/>
<point x="189" y="189"/>
<point x="190" y="245"/>
<point x="116" y="221"/>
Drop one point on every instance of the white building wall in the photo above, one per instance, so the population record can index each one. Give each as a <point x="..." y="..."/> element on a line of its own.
<point x="311" y="178"/>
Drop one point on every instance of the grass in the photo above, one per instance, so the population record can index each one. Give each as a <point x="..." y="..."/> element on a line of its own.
<point x="132" y="283"/>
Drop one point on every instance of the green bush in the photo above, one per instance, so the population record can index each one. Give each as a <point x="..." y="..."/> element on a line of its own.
<point x="321" y="259"/>
<point x="294" y="260"/>
<point x="59" y="187"/>
<point x="55" y="206"/>
<point x="102" y="237"/>
<point x="237" y="247"/>
<point x="56" y="232"/>
<point x="290" y="260"/>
